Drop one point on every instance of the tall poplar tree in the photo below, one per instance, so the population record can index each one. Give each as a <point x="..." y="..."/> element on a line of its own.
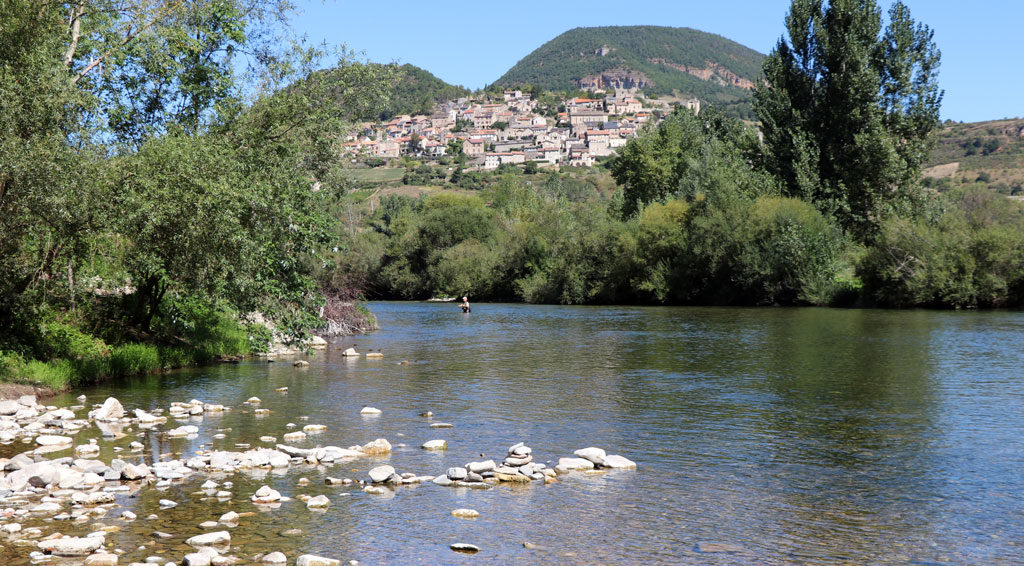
<point x="846" y="108"/>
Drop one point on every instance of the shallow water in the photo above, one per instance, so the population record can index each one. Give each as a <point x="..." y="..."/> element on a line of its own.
<point x="792" y="436"/>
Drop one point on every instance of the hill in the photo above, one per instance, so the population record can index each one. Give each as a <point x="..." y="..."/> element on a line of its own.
<point x="413" y="90"/>
<point x="417" y="91"/>
<point x="989" y="152"/>
<point x="660" y="60"/>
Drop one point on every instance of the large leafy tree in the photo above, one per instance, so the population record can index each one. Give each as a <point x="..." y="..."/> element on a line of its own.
<point x="127" y="121"/>
<point x="846" y="108"/>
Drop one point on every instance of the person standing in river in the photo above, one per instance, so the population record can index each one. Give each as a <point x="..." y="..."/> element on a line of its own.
<point x="465" y="304"/>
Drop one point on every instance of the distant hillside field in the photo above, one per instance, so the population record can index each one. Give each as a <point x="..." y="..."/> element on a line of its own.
<point x="659" y="60"/>
<point x="990" y="152"/>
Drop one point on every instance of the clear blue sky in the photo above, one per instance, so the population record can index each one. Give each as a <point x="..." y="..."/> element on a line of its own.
<point x="474" y="43"/>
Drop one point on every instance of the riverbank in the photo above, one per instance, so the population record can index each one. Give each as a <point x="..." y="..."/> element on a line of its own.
<point x="73" y="356"/>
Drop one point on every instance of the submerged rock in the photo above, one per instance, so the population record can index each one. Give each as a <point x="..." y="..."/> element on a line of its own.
<point x="314" y="560"/>
<point x="370" y="411"/>
<point x="465" y="548"/>
<point x="218" y="538"/>
<point x="71" y="546"/>
<point x="466" y="513"/>
<point x="435" y="445"/>
<point x="318" y="502"/>
<point x="377" y="447"/>
<point x="620" y="462"/>
<point x="274" y="558"/>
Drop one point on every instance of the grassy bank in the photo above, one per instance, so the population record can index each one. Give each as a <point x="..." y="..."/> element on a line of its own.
<point x="60" y="351"/>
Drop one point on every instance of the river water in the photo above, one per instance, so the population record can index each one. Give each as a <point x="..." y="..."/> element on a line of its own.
<point x="762" y="436"/>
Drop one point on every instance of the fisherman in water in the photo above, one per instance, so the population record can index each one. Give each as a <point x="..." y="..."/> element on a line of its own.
<point x="465" y="304"/>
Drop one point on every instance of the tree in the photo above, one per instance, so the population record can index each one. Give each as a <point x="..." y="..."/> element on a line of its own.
<point x="846" y="109"/>
<point x="658" y="163"/>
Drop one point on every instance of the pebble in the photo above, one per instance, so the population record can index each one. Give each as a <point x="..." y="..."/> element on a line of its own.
<point x="370" y="411"/>
<point x="274" y="558"/>
<point x="465" y="548"/>
<point x="167" y="504"/>
<point x="441" y="425"/>
<point x="466" y="513"/>
<point x="435" y="445"/>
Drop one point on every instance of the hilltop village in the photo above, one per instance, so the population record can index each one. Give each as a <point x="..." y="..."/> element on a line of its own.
<point x="491" y="133"/>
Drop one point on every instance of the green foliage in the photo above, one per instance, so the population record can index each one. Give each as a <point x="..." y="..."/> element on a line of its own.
<point x="847" y="108"/>
<point x="140" y="173"/>
<point x="656" y="52"/>
<point x="688" y="155"/>
<point x="973" y="256"/>
<point x="134" y="359"/>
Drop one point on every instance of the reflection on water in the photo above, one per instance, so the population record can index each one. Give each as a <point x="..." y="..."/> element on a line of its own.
<point x="787" y="436"/>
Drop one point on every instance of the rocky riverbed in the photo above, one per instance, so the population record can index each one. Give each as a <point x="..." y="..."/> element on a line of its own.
<point x="60" y="502"/>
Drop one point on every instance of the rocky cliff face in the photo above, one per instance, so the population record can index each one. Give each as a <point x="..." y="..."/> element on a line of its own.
<point x="710" y="72"/>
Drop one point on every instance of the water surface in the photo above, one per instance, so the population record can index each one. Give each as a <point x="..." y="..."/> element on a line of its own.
<point x="790" y="436"/>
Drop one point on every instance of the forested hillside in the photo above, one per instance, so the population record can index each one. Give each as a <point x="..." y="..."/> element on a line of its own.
<point x="663" y="60"/>
<point x="410" y="90"/>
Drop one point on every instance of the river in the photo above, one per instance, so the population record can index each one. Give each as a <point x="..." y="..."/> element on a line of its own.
<point x="761" y="436"/>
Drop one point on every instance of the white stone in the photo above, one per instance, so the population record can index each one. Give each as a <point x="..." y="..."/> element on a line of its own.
<point x="481" y="467"/>
<point x="296" y="436"/>
<point x="275" y="558"/>
<point x="318" y="501"/>
<point x="105" y="559"/>
<point x="377" y="447"/>
<point x="313" y="560"/>
<point x="51" y="440"/>
<point x="595" y="455"/>
<point x="71" y="546"/>
<point x="266" y="495"/>
<point x="229" y="518"/>
<point x="350" y="352"/>
<point x="466" y="513"/>
<point x="381" y="473"/>
<point x="203" y="557"/>
<point x="314" y="428"/>
<point x="217" y="538"/>
<point x="435" y="445"/>
<point x="148" y="418"/>
<point x="619" y="462"/>
<point x="575" y="464"/>
<point x="110" y="410"/>
<point x="370" y="411"/>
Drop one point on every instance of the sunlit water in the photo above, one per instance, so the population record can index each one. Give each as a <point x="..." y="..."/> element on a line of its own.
<point x="787" y="436"/>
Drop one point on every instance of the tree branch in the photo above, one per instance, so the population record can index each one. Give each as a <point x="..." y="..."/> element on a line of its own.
<point x="76" y="32"/>
<point x="129" y="36"/>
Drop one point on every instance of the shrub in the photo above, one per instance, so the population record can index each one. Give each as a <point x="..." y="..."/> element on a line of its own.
<point x="61" y="340"/>
<point x="132" y="359"/>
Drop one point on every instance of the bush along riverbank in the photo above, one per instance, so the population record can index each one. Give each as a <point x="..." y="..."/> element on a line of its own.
<point x="59" y="350"/>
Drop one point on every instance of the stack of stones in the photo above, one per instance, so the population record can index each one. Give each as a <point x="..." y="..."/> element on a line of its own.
<point x="517" y="467"/>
